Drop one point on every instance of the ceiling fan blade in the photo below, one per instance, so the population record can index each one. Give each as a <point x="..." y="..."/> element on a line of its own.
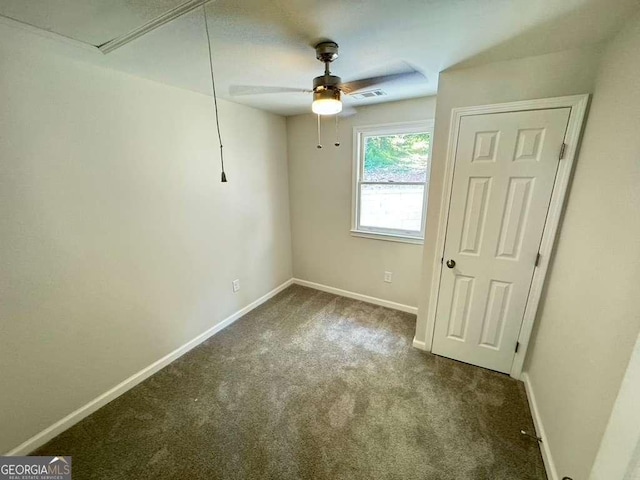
<point x="366" y="83"/>
<point x="237" y="90"/>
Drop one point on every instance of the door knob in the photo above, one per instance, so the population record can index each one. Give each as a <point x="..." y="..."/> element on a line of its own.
<point x="451" y="263"/>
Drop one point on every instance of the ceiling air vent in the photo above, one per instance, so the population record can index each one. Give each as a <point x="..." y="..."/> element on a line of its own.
<point x="368" y="94"/>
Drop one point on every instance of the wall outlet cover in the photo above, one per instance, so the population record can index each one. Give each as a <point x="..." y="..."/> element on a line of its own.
<point x="236" y="285"/>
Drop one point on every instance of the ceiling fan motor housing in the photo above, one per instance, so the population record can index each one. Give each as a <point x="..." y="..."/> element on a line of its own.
<point x="327" y="85"/>
<point x="327" y="82"/>
<point x="326" y="88"/>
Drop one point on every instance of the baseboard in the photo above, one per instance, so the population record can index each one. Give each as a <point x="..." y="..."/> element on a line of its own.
<point x="357" y="296"/>
<point x="419" y="345"/>
<point x="74" y="417"/>
<point x="549" y="465"/>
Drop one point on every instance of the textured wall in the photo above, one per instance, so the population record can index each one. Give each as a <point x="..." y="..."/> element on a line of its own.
<point x="321" y="186"/>
<point x="553" y="75"/>
<point x="590" y="317"/>
<point x="118" y="243"/>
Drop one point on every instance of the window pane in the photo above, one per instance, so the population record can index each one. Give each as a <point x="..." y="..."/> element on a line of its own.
<point x="396" y="207"/>
<point x="397" y="158"/>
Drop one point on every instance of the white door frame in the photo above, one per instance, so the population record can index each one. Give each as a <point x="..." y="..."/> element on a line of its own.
<point x="578" y="105"/>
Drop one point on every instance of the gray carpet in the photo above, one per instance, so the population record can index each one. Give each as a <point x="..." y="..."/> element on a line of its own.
<point x="310" y="386"/>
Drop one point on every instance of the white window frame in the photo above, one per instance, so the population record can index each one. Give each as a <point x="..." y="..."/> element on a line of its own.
<point x="359" y="134"/>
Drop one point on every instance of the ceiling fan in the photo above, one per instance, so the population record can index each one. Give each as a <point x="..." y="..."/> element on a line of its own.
<point x="328" y="89"/>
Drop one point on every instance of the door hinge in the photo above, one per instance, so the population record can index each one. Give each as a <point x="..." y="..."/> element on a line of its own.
<point x="517" y="346"/>
<point x="562" y="150"/>
<point x="441" y="260"/>
<point x="537" y="259"/>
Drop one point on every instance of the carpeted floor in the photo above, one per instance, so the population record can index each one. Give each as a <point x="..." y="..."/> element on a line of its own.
<point x="310" y="386"/>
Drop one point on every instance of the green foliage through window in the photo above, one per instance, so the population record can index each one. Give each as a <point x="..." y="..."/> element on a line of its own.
<point x="399" y="158"/>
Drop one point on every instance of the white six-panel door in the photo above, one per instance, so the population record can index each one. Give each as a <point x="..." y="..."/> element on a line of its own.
<point x="505" y="167"/>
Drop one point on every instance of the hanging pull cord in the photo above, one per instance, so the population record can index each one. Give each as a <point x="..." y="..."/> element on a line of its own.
<point x="319" y="142"/>
<point x="223" y="176"/>
<point x="337" y="144"/>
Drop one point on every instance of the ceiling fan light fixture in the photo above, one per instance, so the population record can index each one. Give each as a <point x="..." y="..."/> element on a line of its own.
<point x="326" y="102"/>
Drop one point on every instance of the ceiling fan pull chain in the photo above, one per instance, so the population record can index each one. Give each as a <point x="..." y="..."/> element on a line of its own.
<point x="223" y="175"/>
<point x="337" y="144"/>
<point x="319" y="142"/>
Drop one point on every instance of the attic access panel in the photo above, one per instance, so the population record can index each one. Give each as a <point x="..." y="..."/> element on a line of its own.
<point x="90" y="21"/>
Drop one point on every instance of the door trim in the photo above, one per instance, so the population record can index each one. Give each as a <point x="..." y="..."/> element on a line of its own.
<point x="578" y="105"/>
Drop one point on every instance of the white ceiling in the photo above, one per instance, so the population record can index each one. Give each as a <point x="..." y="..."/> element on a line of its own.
<point x="91" y="21"/>
<point x="269" y="42"/>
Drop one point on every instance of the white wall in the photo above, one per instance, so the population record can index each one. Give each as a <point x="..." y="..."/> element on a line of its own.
<point x="118" y="243"/>
<point x="553" y="75"/>
<point x="619" y="452"/>
<point x="590" y="318"/>
<point x="590" y="313"/>
<point x="321" y="186"/>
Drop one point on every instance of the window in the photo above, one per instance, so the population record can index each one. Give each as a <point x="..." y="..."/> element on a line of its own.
<point x="391" y="175"/>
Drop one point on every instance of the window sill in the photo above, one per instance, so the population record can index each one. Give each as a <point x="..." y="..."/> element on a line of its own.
<point x="389" y="237"/>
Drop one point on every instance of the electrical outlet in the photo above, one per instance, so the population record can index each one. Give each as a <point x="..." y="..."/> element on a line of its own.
<point x="387" y="276"/>
<point x="236" y="285"/>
